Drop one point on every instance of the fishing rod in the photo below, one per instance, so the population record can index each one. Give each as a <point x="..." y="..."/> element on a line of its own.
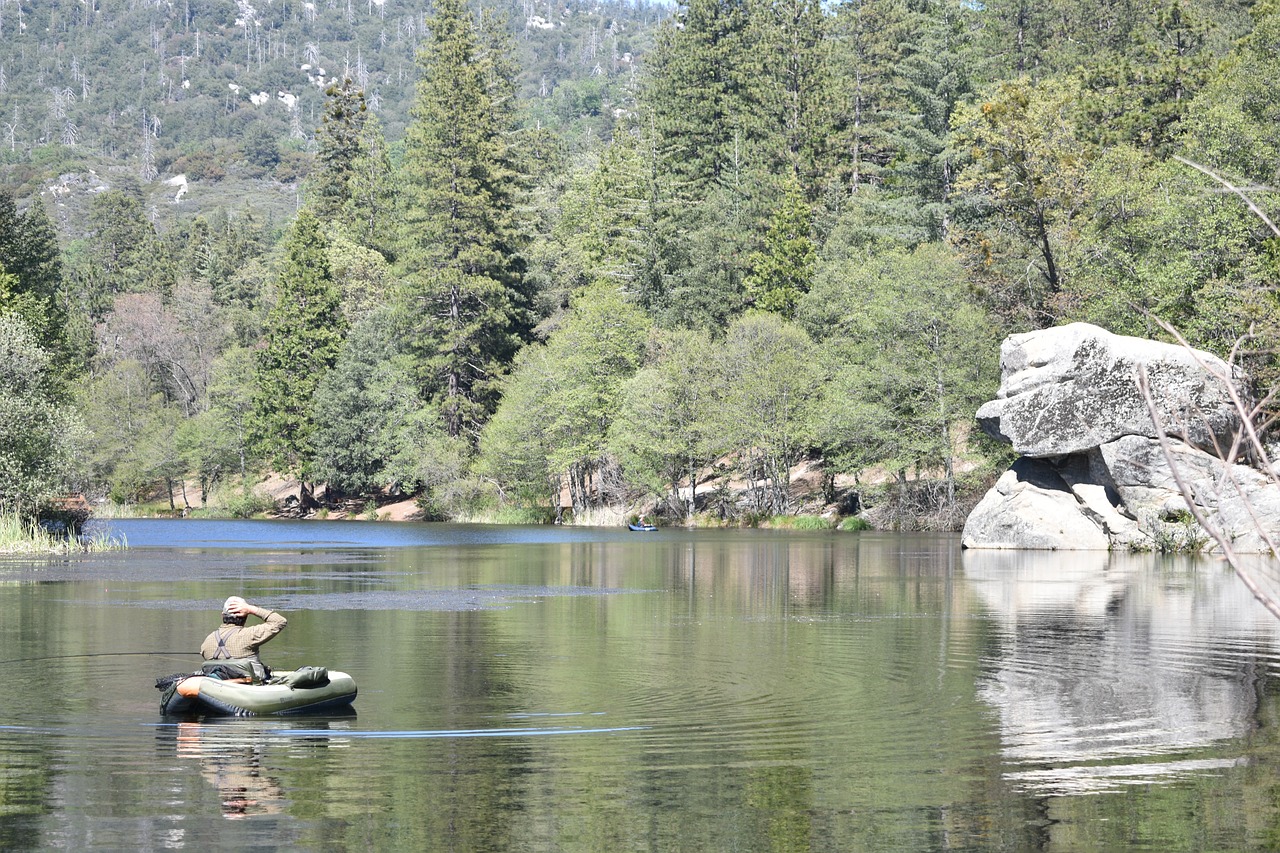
<point x="95" y="655"/>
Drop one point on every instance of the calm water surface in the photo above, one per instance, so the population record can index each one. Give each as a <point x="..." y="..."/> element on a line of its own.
<point x="550" y="689"/>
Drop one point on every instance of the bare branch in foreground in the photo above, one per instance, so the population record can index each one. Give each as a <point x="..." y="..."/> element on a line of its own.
<point x="1253" y="207"/>
<point x="1212" y="529"/>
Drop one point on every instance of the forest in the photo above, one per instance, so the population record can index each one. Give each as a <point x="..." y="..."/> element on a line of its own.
<point x="504" y="258"/>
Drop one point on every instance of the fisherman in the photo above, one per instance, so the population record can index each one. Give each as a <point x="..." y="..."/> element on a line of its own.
<point x="233" y="641"/>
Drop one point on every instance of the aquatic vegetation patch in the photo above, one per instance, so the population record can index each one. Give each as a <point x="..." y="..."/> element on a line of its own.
<point x="22" y="537"/>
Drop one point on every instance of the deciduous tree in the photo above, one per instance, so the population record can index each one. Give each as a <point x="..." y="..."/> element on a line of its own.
<point x="664" y="432"/>
<point x="1023" y="186"/>
<point x="561" y="398"/>
<point x="40" y="438"/>
<point x="910" y="357"/>
<point x="770" y="378"/>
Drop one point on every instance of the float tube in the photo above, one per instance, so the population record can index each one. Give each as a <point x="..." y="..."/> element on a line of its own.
<point x="202" y="694"/>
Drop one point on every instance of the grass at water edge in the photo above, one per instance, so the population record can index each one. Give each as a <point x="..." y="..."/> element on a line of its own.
<point x="19" y="537"/>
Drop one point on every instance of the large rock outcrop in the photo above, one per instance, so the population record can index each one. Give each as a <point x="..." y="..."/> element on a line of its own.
<point x="1093" y="474"/>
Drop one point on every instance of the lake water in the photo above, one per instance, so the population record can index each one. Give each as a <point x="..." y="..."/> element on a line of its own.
<point x="565" y="689"/>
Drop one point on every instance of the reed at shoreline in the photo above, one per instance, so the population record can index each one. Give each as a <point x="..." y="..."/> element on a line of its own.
<point x="21" y="537"/>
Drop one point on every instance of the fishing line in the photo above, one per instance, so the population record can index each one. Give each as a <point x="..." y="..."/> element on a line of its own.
<point x="95" y="655"/>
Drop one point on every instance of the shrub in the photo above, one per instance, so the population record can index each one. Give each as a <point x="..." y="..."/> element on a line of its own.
<point x="247" y="505"/>
<point x="811" y="522"/>
<point x="1172" y="533"/>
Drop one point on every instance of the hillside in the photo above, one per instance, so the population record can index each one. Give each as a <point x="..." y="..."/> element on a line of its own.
<point x="211" y="88"/>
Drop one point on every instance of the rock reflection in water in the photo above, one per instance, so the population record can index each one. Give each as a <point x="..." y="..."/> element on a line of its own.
<point x="1108" y="662"/>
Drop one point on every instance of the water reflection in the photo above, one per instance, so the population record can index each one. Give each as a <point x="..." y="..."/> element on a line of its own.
<point x="237" y="757"/>
<point x="1097" y="666"/>
<point x="692" y="691"/>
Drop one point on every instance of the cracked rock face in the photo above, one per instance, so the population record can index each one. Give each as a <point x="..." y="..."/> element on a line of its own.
<point x="1073" y="388"/>
<point x="1093" y="474"/>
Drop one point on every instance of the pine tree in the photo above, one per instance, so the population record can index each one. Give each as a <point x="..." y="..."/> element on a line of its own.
<point x="304" y="336"/>
<point x="460" y="245"/>
<point x="869" y="38"/>
<point x="125" y="246"/>
<point x="935" y="74"/>
<point x="1141" y="92"/>
<point x="781" y="272"/>
<point x="370" y="206"/>
<point x="1017" y="37"/>
<point x="29" y="253"/>
<point x="799" y="99"/>
<point x="700" y="94"/>
<point x="338" y="143"/>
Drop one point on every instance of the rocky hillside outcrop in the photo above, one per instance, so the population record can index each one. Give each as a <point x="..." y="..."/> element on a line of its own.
<point x="1092" y="472"/>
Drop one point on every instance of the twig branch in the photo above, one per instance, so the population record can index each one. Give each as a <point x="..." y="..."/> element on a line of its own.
<point x="1206" y="170"/>
<point x="1201" y="517"/>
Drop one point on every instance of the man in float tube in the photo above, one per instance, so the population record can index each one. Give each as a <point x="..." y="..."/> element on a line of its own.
<point x="238" y="644"/>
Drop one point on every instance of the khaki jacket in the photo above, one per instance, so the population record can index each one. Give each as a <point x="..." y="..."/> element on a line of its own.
<point x="233" y="641"/>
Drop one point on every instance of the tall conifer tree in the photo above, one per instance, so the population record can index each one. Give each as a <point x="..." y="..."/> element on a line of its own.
<point x="799" y="97"/>
<point x="869" y="39"/>
<point x="304" y="336"/>
<point x="700" y="93"/>
<point x="460" y="246"/>
<point x="29" y="253"/>
<point x="338" y="142"/>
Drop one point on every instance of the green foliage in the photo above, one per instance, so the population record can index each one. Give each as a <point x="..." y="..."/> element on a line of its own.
<point x="304" y="334"/>
<point x="1024" y="188"/>
<point x="662" y="431"/>
<point x="370" y="206"/>
<point x="339" y="145"/>
<point x="699" y="92"/>
<point x="781" y="271"/>
<point x="460" y="242"/>
<point x="125" y="248"/>
<point x="361" y="274"/>
<point x="362" y="407"/>
<point x="1178" y="533"/>
<point x="246" y="504"/>
<point x="869" y="42"/>
<point x="605" y="229"/>
<point x="1141" y="95"/>
<point x="40" y="438"/>
<point x="910" y="357"/>
<point x="824" y="163"/>
<point x="1156" y="244"/>
<point x="562" y="397"/>
<point x="120" y="407"/>
<point x="31" y="284"/>
<point x="19" y="535"/>
<point x="435" y="465"/>
<point x="770" y="378"/>
<point x="1230" y="125"/>
<point x="515" y="447"/>
<point x="801" y="522"/>
<point x="261" y="148"/>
